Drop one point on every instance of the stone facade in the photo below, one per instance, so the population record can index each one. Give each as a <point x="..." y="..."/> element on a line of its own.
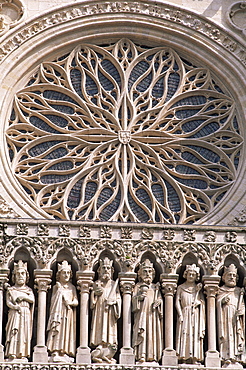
<point x="122" y="184"/>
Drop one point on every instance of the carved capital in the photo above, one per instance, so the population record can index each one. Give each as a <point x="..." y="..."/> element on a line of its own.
<point x="169" y="284"/>
<point x="211" y="285"/>
<point x="42" y="280"/>
<point x="42" y="284"/>
<point x="85" y="280"/>
<point x="127" y="282"/>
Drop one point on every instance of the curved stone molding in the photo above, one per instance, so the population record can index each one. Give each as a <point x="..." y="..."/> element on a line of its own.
<point x="11" y="13"/>
<point x="237" y="15"/>
<point x="168" y="12"/>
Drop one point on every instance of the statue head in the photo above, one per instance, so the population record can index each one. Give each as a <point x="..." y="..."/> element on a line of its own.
<point x="20" y="274"/>
<point x="146" y="272"/>
<point x="230" y="276"/>
<point x="105" y="270"/>
<point x="64" y="272"/>
<point x="192" y="273"/>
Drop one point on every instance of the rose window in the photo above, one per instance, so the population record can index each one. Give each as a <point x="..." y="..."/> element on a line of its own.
<point x="124" y="132"/>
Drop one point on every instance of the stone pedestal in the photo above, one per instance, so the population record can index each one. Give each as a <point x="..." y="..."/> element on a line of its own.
<point x="211" y="285"/>
<point x="42" y="281"/>
<point x="3" y="280"/>
<point x="169" y="285"/>
<point x="84" y="281"/>
<point x="83" y="355"/>
<point x="127" y="282"/>
<point x="40" y="354"/>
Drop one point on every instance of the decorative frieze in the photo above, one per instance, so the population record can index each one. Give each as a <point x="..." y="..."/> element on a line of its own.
<point x="166" y="12"/>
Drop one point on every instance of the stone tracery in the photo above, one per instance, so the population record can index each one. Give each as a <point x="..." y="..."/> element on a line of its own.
<point x="163" y="145"/>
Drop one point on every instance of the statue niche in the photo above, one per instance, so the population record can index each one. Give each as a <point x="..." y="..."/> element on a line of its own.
<point x="231" y="319"/>
<point x="61" y="341"/>
<point x="190" y="305"/>
<point x="106" y="310"/>
<point x="20" y="301"/>
<point x="147" y="306"/>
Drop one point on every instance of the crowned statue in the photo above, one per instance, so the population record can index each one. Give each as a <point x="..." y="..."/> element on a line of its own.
<point x="61" y="327"/>
<point x="106" y="310"/>
<point x="20" y="301"/>
<point x="147" y="305"/>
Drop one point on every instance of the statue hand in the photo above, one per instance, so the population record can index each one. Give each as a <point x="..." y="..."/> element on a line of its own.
<point x="156" y="303"/>
<point x="110" y="302"/>
<point x="239" y="312"/>
<point x="198" y="286"/>
<point x="197" y="303"/>
<point x="98" y="291"/>
<point x="225" y="300"/>
<point x="20" y="299"/>
<point x="17" y="308"/>
<point x="67" y="304"/>
<point x="181" y="319"/>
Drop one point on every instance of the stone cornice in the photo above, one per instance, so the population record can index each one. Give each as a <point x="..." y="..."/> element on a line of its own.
<point x="170" y="13"/>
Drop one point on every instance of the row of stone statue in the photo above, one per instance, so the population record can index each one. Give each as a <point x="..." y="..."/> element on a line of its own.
<point x="147" y="306"/>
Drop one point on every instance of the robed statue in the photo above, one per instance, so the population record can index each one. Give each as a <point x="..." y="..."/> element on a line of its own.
<point x="190" y="305"/>
<point x="106" y="309"/>
<point x="20" y="301"/>
<point x="231" y="318"/>
<point x="61" y="327"/>
<point x="147" y="305"/>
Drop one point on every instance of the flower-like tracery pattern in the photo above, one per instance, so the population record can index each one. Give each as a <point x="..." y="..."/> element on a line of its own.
<point x="124" y="133"/>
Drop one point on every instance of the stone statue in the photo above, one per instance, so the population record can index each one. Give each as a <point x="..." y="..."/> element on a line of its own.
<point x="147" y="305"/>
<point x="106" y="310"/>
<point x="20" y="300"/>
<point x="231" y="318"/>
<point x="190" y="305"/>
<point x="61" y="327"/>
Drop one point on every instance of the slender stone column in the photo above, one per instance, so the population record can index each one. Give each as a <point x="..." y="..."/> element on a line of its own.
<point x="211" y="286"/>
<point x="42" y="281"/>
<point x="3" y="280"/>
<point x="84" y="281"/>
<point x="127" y="282"/>
<point x="169" y="285"/>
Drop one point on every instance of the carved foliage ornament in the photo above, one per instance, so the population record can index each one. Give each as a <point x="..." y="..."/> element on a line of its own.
<point x="124" y="133"/>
